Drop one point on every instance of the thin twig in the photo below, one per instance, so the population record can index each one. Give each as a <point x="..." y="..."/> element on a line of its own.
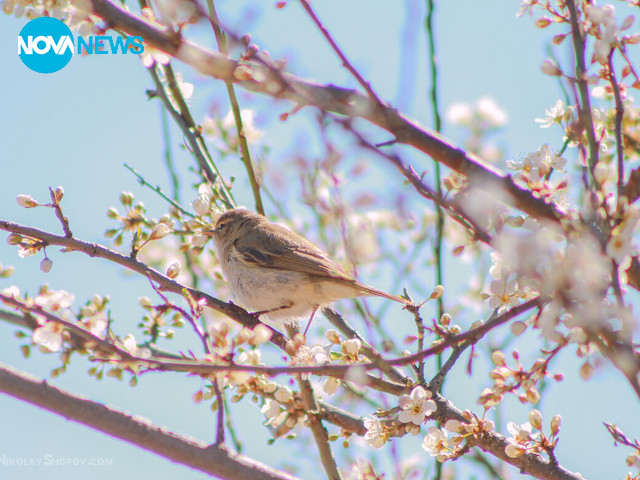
<point x="175" y="186"/>
<point x="235" y="108"/>
<point x="437" y="245"/>
<point x="437" y="381"/>
<point x="63" y="220"/>
<point x="168" y="157"/>
<point x="584" y="110"/>
<point x="220" y="417"/>
<point x="196" y="143"/>
<point x="421" y="334"/>
<point x="314" y="417"/>
<point x="454" y="211"/>
<point x="345" y="61"/>
<point x="200" y="332"/>
<point x="615" y="86"/>
<point x="342" y="325"/>
<point x="158" y="190"/>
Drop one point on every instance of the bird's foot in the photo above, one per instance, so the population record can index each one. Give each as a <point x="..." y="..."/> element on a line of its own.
<point x="271" y="310"/>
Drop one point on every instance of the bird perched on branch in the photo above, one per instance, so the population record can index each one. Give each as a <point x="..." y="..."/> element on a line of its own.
<point x="277" y="273"/>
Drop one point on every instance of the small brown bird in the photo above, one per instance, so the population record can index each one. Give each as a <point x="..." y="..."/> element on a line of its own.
<point x="278" y="273"/>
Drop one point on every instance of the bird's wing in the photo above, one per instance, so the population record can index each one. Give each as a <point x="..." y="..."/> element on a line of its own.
<point x="282" y="249"/>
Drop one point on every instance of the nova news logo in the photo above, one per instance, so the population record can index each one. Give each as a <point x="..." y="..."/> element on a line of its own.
<point x="46" y="45"/>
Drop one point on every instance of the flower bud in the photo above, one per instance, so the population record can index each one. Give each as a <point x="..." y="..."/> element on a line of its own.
<point x="201" y="205"/>
<point x="498" y="358"/>
<point x="476" y="324"/>
<point x="174" y="270"/>
<point x="160" y="230"/>
<point x="453" y="426"/>
<point x="243" y="336"/>
<point x="331" y="385"/>
<point x="517" y="328"/>
<point x="261" y="334"/>
<point x="351" y="347"/>
<point x="533" y="396"/>
<point x="535" y="418"/>
<point x="550" y="68"/>
<point x="556" y="421"/>
<point x="126" y="198"/>
<point x="14" y="239"/>
<point x="242" y="72"/>
<point x="586" y="371"/>
<point x="332" y="335"/>
<point x="542" y="22"/>
<point x="58" y="193"/>
<point x="601" y="172"/>
<point x="6" y="272"/>
<point x="26" y="201"/>
<point x="45" y="265"/>
<point x="437" y="292"/>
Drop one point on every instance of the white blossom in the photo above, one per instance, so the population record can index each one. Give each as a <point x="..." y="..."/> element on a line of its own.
<point x="375" y="435"/>
<point x="416" y="406"/>
<point x="435" y="443"/>
<point x="49" y="336"/>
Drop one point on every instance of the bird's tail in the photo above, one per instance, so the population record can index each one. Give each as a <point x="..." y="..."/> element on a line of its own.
<point x="379" y="293"/>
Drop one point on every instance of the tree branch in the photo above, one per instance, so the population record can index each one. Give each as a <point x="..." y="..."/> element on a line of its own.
<point x="215" y="460"/>
<point x="95" y="250"/>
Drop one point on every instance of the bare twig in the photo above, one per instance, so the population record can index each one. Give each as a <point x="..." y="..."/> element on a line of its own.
<point x="343" y="419"/>
<point x="200" y="332"/>
<point x="159" y="191"/>
<point x="55" y="200"/>
<point x="615" y="86"/>
<point x="341" y="324"/>
<point x="454" y="211"/>
<point x="235" y="108"/>
<point x="220" y="411"/>
<point x="345" y="61"/>
<point x="185" y="121"/>
<point x="437" y="381"/>
<point x="584" y="110"/>
<point x="314" y="417"/>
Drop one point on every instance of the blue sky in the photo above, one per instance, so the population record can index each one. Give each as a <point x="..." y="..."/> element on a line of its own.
<point x="77" y="127"/>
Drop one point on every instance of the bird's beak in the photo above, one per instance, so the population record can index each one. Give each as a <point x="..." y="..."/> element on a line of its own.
<point x="208" y="232"/>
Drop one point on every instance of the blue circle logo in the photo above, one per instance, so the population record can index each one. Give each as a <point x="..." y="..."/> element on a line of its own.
<point x="45" y="45"/>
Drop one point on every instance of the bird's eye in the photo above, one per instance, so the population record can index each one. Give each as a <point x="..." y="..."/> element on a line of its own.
<point x="220" y="226"/>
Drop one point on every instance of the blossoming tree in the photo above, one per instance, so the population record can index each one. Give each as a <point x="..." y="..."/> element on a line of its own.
<point x="548" y="241"/>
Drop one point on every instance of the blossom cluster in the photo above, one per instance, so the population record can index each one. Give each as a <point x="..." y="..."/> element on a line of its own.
<point x="415" y="408"/>
<point x="529" y="437"/>
<point x="517" y="380"/>
<point x="439" y="444"/>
